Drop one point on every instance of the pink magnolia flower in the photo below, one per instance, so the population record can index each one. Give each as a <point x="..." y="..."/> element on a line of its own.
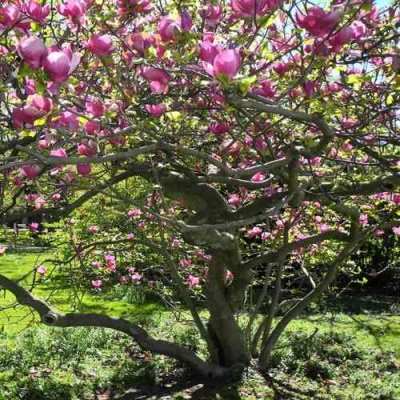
<point x="258" y="177"/>
<point x="230" y="147"/>
<point x="193" y="280"/>
<point x="234" y="200"/>
<point x="95" y="108"/>
<point x="136" y="278"/>
<point x="101" y="45"/>
<point x="140" y="41"/>
<point x="61" y="64"/>
<point x="123" y="279"/>
<point x="134" y="6"/>
<point x="156" y="110"/>
<point x="56" y="197"/>
<point x="267" y="90"/>
<point x="265" y="235"/>
<point x="92" y="127"/>
<point x="30" y="171"/>
<point x="396" y="230"/>
<point x="32" y="50"/>
<point x="36" y="107"/>
<point x="212" y="15"/>
<point x="309" y="89"/>
<point x="9" y="15"/>
<point x="167" y="29"/>
<point x="186" y="21"/>
<point x="184" y="262"/>
<point x="36" y="11"/>
<point x="359" y="30"/>
<point x="318" y="22"/>
<point x="363" y="219"/>
<point x="130" y="236"/>
<point x="59" y="153"/>
<point x="134" y="213"/>
<point x="251" y="8"/>
<point x="158" y="79"/>
<point x="229" y="275"/>
<point x="96" y="264"/>
<point x="341" y="38"/>
<point x="97" y="284"/>
<point x="83" y="169"/>
<point x="41" y="269"/>
<point x="208" y="52"/>
<point x="2" y="250"/>
<point x="33" y="226"/>
<point x="88" y="149"/>
<point x="226" y="64"/>
<point x="218" y="128"/>
<point x="74" y="10"/>
<point x="93" y="229"/>
<point x="378" y="233"/>
<point x="396" y="198"/>
<point x="254" y="232"/>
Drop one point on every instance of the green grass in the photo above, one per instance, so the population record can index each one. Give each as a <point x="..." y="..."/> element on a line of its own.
<point x="57" y="292"/>
<point x="333" y="356"/>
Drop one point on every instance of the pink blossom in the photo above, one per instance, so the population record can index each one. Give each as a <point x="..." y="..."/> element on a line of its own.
<point x="186" y="21"/>
<point x="134" y="6"/>
<point x="97" y="284"/>
<point x="168" y="28"/>
<point x="140" y="41"/>
<point x="36" y="11"/>
<point x="36" y="107"/>
<point x="61" y="64"/>
<point x="230" y="147"/>
<point x="359" y="30"/>
<point x="184" y="262"/>
<point x="136" y="278"/>
<point x="92" y="127"/>
<point x="378" y="233"/>
<point x="212" y="15"/>
<point x="309" y="89"/>
<point x="95" y="108"/>
<point x="156" y="110"/>
<point x="323" y="227"/>
<point x="218" y="128"/>
<point x="267" y="90"/>
<point x="363" y="219"/>
<point x="251" y="8"/>
<point x="266" y="235"/>
<point x="110" y="262"/>
<point x="32" y="50"/>
<point x="134" y="213"/>
<point x="281" y="68"/>
<point x="396" y="230"/>
<point x="30" y="171"/>
<point x="347" y="146"/>
<point x="2" y="250"/>
<point x="208" y="52"/>
<point x="234" y="200"/>
<point x="396" y="198"/>
<point x="193" y="280"/>
<point x="74" y="10"/>
<point x="258" y="177"/>
<point x="56" y="197"/>
<point x="83" y="169"/>
<point x="59" y="153"/>
<point x="41" y="269"/>
<point x="9" y="15"/>
<point x="226" y="64"/>
<point x="96" y="264"/>
<point x="279" y="223"/>
<point x="158" y="79"/>
<point x="318" y="22"/>
<point x="101" y="45"/>
<point x="130" y="236"/>
<point x="33" y="226"/>
<point x="341" y="38"/>
<point x="254" y="232"/>
<point x="88" y="149"/>
<point x="229" y="275"/>
<point x="93" y="229"/>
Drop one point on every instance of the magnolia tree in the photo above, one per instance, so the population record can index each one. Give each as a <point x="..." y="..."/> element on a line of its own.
<point x="265" y="132"/>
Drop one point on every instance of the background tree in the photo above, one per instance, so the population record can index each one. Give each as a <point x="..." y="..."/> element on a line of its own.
<point x="264" y="132"/>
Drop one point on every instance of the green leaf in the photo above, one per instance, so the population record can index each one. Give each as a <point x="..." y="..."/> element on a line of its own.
<point x="40" y="121"/>
<point x="245" y="83"/>
<point x="173" y="115"/>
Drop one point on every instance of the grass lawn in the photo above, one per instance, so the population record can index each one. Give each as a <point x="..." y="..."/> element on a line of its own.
<point x="333" y="356"/>
<point x="20" y="266"/>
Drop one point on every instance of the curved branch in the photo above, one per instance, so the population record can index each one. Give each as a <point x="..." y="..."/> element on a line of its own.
<point x="51" y="317"/>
